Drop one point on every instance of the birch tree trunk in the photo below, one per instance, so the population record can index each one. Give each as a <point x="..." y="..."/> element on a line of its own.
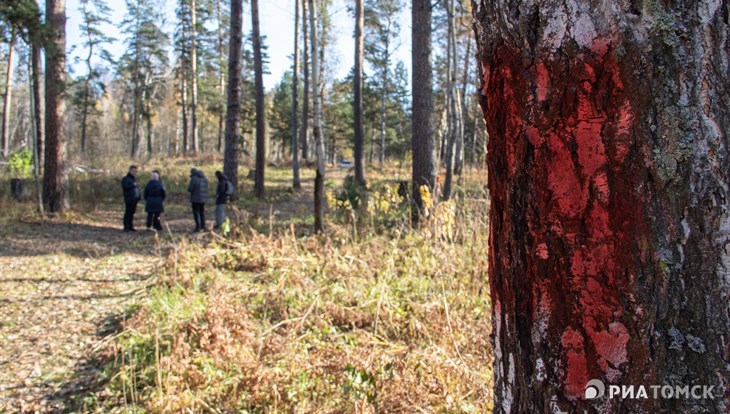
<point x="609" y="178"/>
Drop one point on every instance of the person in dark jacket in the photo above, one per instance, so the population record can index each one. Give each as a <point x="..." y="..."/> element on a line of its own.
<point x="221" y="197"/>
<point x="130" y="189"/>
<point x="154" y="196"/>
<point x="198" y="189"/>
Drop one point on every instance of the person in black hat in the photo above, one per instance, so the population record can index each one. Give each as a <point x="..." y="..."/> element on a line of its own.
<point x="130" y="189"/>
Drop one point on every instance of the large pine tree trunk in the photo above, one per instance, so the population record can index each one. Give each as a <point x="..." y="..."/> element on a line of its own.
<point x="422" y="143"/>
<point x="233" y="106"/>
<point x="609" y="176"/>
<point x="260" y="114"/>
<point x="55" y="178"/>
<point x="8" y="95"/>
<point x="295" y="103"/>
<point x="357" y="93"/>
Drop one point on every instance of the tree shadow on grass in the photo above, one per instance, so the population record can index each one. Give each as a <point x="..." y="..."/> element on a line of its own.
<point x="74" y="239"/>
<point x="84" y="389"/>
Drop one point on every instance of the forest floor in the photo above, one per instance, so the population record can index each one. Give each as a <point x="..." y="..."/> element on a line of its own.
<point x="66" y="287"/>
<point x="378" y="318"/>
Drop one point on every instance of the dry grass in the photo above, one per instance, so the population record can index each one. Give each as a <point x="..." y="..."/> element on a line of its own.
<point x="392" y="320"/>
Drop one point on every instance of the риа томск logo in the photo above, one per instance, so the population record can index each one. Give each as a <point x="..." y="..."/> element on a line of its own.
<point x="596" y="389"/>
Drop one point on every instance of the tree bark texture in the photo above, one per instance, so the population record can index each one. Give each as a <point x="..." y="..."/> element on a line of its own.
<point x="609" y="178"/>
<point x="55" y="178"/>
<point x="317" y="121"/>
<point x="222" y="79"/>
<point x="357" y="93"/>
<point x="194" y="78"/>
<point x="233" y="106"/>
<point x="422" y="144"/>
<point x="35" y="124"/>
<point x="295" y="103"/>
<point x="305" y="87"/>
<point x="35" y="62"/>
<point x="8" y="95"/>
<point x="260" y="110"/>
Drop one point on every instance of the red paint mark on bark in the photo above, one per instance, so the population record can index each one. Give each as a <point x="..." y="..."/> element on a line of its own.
<point x="576" y="375"/>
<point x="543" y="82"/>
<point x="583" y="218"/>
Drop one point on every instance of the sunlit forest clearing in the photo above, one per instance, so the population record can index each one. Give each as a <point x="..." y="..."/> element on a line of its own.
<point x="365" y="206"/>
<point x="372" y="316"/>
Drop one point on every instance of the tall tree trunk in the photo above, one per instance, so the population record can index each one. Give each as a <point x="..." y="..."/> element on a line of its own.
<point x="609" y="176"/>
<point x="148" y="119"/>
<point x="383" y="99"/>
<point x="295" y="103"/>
<point x="8" y="95"/>
<point x="55" y="178"/>
<point x="87" y="86"/>
<point x="194" y="78"/>
<point x="184" y="86"/>
<point x="35" y="125"/>
<point x="184" y="109"/>
<point x="422" y="143"/>
<point x="260" y="114"/>
<point x="305" y="102"/>
<point x="221" y="78"/>
<point x="357" y="91"/>
<point x="450" y="103"/>
<point x="317" y="124"/>
<point x="233" y="106"/>
<point x="35" y="59"/>
<point x="457" y="115"/>
<point x="468" y="59"/>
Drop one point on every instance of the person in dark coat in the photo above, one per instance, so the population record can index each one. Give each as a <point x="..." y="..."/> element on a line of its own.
<point x="221" y="197"/>
<point x="130" y="189"/>
<point x="198" y="189"/>
<point x="154" y="196"/>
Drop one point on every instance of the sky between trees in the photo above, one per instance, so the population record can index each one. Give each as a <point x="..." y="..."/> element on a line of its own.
<point x="276" y="24"/>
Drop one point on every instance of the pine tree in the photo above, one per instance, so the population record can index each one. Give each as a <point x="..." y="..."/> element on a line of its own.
<point x="94" y="13"/>
<point x="382" y="30"/>
<point x="142" y="65"/>
<point x="424" y="161"/>
<point x="357" y="93"/>
<point x="55" y="177"/>
<point x="260" y="110"/>
<point x="233" y="106"/>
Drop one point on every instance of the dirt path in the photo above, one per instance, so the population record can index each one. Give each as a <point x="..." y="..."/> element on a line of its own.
<point x="64" y="287"/>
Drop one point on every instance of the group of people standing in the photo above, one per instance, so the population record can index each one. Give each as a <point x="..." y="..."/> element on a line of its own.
<point x="154" y="195"/>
